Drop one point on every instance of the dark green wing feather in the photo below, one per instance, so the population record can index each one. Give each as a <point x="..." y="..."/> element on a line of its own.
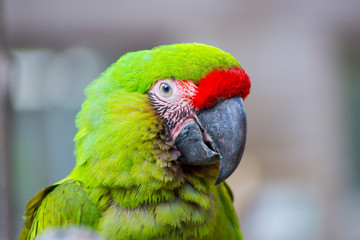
<point x="62" y="204"/>
<point x="31" y="208"/>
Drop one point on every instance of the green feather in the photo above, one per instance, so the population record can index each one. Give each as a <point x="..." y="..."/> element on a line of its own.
<point x="64" y="205"/>
<point x="124" y="185"/>
<point x="138" y="71"/>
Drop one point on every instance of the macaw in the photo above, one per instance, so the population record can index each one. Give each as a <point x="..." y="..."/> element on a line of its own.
<point x="158" y="133"/>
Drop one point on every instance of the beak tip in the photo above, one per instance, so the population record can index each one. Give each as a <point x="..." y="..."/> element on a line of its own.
<point x="218" y="181"/>
<point x="226" y="170"/>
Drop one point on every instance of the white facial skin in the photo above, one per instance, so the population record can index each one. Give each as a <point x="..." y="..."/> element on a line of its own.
<point x="172" y="101"/>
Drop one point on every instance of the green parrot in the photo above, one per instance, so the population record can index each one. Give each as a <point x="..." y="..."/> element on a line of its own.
<point x="158" y="133"/>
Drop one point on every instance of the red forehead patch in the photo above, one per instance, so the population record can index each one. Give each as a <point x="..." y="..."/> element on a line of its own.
<point x="221" y="84"/>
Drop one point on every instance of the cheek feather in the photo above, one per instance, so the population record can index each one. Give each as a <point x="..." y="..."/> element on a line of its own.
<point x="174" y="113"/>
<point x="187" y="90"/>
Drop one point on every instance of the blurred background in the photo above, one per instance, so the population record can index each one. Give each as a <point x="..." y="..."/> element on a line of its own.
<point x="299" y="178"/>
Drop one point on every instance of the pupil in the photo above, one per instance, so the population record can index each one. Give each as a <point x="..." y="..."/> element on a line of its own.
<point x="166" y="88"/>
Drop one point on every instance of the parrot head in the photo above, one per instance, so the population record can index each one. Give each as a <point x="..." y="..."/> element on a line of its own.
<point x="180" y="103"/>
<point x="206" y="123"/>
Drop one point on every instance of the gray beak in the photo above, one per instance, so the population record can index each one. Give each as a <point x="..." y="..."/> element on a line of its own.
<point x="218" y="134"/>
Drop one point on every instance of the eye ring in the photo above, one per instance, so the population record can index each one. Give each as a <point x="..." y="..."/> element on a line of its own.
<point x="165" y="89"/>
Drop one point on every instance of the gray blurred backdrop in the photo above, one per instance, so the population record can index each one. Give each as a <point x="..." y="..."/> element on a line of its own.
<point x="299" y="178"/>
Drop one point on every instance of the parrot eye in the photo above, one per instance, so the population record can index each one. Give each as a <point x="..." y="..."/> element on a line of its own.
<point x="165" y="89"/>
